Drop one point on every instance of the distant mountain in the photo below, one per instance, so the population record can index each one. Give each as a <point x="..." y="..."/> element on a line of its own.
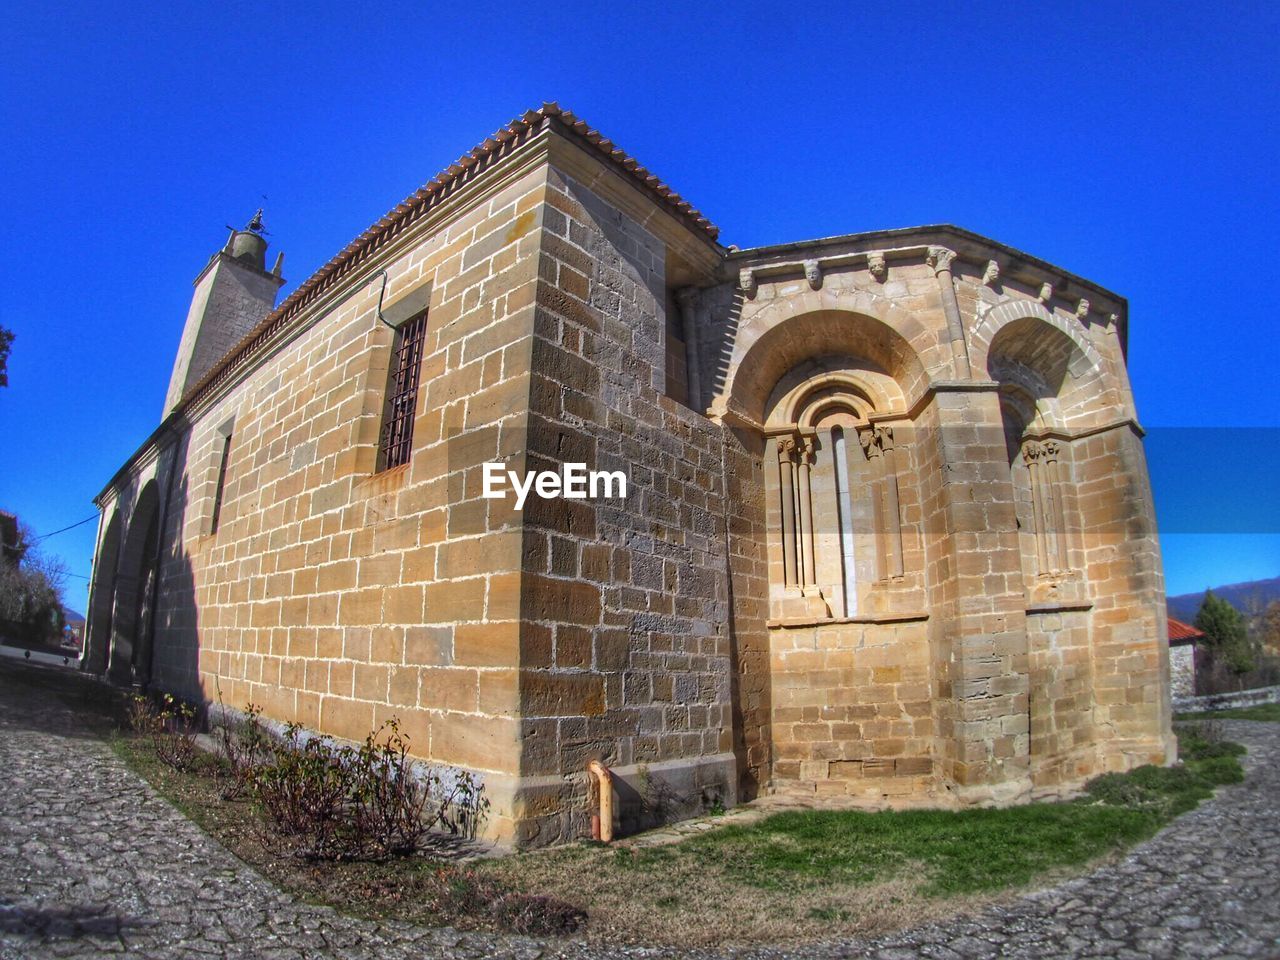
<point x="1249" y="598"/>
<point x="71" y="616"/>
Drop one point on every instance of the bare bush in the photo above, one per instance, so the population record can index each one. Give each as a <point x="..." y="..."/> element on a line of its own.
<point x="330" y="802"/>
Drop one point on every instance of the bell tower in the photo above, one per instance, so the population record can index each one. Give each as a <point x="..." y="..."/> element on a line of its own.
<point x="233" y="293"/>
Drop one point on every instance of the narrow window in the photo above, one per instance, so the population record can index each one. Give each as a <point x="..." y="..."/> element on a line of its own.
<point x="396" y="441"/>
<point x="222" y="482"/>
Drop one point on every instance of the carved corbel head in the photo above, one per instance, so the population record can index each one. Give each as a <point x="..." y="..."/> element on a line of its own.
<point x="992" y="273"/>
<point x="1082" y="310"/>
<point x="747" y="281"/>
<point x="879" y="269"/>
<point x="1046" y="292"/>
<point x="813" y="273"/>
<point x="1032" y="451"/>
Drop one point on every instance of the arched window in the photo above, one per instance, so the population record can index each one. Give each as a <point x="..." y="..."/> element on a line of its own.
<point x="835" y="527"/>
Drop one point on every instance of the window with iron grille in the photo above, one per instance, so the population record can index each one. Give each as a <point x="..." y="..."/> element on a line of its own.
<point x="396" y="440"/>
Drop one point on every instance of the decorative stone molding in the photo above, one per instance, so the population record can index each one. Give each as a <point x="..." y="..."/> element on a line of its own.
<point x="747" y="282"/>
<point x="813" y="273"/>
<point x="876" y="264"/>
<point x="992" y="273"/>
<point x="867" y="437"/>
<point x="940" y="259"/>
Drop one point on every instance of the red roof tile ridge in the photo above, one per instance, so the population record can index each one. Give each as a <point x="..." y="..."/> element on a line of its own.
<point x="1183" y="631"/>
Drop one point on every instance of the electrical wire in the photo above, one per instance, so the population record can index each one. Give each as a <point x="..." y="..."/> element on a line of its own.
<point x="46" y="536"/>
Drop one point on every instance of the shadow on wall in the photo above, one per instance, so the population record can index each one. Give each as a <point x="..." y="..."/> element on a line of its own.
<point x="142" y="629"/>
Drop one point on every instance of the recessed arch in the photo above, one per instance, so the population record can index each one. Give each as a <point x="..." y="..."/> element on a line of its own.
<point x="1022" y="344"/>
<point x="766" y="356"/>
<point x="133" y="619"/>
<point x="98" y="630"/>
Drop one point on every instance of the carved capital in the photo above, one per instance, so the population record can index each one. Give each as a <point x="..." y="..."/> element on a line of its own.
<point x="1082" y="309"/>
<point x="787" y="449"/>
<point x="884" y="437"/>
<point x="1032" y="451"/>
<point x="1051" y="449"/>
<point x="1046" y="292"/>
<point x="813" y="273"/>
<point x="876" y="264"/>
<point x="747" y="281"/>
<point x="940" y="258"/>
<point x="807" y="448"/>
<point x="867" y="437"/>
<point x="992" y="273"/>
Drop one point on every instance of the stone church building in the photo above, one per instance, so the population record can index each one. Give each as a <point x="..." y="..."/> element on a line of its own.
<point x="887" y="532"/>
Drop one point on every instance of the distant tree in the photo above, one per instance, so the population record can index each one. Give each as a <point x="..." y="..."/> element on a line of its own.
<point x="6" y="341"/>
<point x="31" y="592"/>
<point x="1225" y="633"/>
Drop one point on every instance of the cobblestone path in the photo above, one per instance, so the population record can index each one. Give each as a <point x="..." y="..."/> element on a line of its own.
<point x="93" y="863"/>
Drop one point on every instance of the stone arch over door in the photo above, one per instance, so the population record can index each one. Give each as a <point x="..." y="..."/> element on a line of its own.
<point x="133" y="611"/>
<point x="98" y="634"/>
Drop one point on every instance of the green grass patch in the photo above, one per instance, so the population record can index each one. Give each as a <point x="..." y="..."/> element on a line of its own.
<point x="1263" y="711"/>
<point x="959" y="852"/>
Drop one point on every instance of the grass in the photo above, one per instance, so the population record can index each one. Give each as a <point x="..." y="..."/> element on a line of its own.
<point x="816" y="874"/>
<point x="790" y="877"/>
<point x="1263" y="711"/>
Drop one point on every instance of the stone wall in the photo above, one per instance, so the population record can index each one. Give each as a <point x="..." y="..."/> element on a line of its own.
<point x="626" y="643"/>
<point x="336" y="596"/>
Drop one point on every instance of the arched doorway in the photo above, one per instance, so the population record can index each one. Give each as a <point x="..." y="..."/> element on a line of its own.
<point x="133" y="616"/>
<point x="98" y="635"/>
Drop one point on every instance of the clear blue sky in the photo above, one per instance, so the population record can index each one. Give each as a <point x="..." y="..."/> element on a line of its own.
<point x="1134" y="144"/>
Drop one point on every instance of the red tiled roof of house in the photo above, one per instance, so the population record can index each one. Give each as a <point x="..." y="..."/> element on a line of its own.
<point x="358" y="251"/>
<point x="1183" y="631"/>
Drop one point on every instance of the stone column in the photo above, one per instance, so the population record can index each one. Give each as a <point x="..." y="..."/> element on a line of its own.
<point x="940" y="259"/>
<point x="871" y="448"/>
<point x="809" y="579"/>
<point x="687" y="299"/>
<point x="1057" y="511"/>
<point x="786" y="487"/>
<point x="1032" y="456"/>
<point x="893" y="512"/>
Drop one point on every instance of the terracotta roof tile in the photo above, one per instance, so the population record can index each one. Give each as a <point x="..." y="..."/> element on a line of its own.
<point x="404" y="214"/>
<point x="1183" y="631"/>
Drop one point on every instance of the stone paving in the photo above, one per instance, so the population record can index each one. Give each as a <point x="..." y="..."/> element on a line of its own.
<point x="93" y="863"/>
